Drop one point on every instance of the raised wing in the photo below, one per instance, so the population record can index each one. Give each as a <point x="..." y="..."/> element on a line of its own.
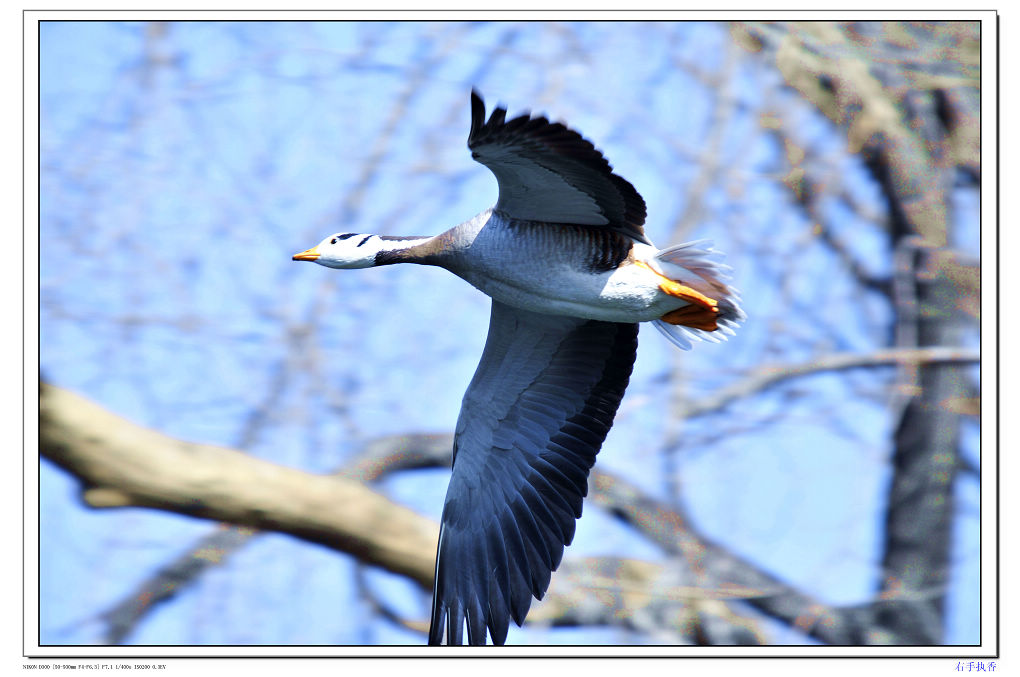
<point x="534" y="416"/>
<point x="547" y="172"/>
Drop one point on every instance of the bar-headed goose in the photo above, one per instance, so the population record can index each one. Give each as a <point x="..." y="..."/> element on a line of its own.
<point x="565" y="259"/>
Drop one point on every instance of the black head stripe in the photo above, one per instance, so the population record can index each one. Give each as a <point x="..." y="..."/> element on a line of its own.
<point x="345" y="236"/>
<point x="367" y="238"/>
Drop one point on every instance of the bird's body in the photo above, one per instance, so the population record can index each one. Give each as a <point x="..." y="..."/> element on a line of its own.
<point x="564" y="257"/>
<point x="567" y="270"/>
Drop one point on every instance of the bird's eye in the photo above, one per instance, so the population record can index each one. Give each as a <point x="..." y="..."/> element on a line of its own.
<point x="333" y="241"/>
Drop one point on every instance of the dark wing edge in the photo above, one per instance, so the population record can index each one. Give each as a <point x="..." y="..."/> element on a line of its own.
<point x="551" y="146"/>
<point x="534" y="417"/>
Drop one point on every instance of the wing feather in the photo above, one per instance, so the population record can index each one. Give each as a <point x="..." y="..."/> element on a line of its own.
<point x="549" y="173"/>
<point x="535" y="415"/>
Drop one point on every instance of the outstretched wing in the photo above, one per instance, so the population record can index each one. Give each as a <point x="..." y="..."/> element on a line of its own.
<point x="547" y="172"/>
<point x="534" y="416"/>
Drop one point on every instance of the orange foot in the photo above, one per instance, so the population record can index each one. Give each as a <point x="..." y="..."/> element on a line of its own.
<point x="693" y="316"/>
<point x="702" y="312"/>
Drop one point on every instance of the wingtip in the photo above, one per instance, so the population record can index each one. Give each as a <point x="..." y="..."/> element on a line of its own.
<point x="477" y="114"/>
<point x="479" y="126"/>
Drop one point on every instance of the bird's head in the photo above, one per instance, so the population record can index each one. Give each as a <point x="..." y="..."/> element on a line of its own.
<point x="344" y="250"/>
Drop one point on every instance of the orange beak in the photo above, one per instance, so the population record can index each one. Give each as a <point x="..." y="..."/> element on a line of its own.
<point x="307" y="255"/>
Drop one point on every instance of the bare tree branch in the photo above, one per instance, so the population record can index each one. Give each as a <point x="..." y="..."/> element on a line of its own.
<point x="770" y="375"/>
<point x="122" y="618"/>
<point x="715" y="568"/>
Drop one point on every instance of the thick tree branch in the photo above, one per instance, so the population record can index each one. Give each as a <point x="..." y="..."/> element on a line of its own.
<point x="918" y="525"/>
<point x="123" y="464"/>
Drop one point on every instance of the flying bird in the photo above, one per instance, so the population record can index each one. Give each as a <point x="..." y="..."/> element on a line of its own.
<point x="564" y="257"/>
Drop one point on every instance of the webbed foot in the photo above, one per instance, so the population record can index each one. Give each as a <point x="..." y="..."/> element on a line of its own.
<point x="694" y="316"/>
<point x="700" y="314"/>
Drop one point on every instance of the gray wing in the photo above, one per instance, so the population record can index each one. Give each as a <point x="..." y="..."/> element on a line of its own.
<point x="547" y="172"/>
<point x="534" y="416"/>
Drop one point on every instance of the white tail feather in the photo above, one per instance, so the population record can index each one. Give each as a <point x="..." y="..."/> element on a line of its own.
<point x="696" y="264"/>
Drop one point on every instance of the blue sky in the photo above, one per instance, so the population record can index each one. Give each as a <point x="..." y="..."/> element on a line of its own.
<point x="180" y="170"/>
